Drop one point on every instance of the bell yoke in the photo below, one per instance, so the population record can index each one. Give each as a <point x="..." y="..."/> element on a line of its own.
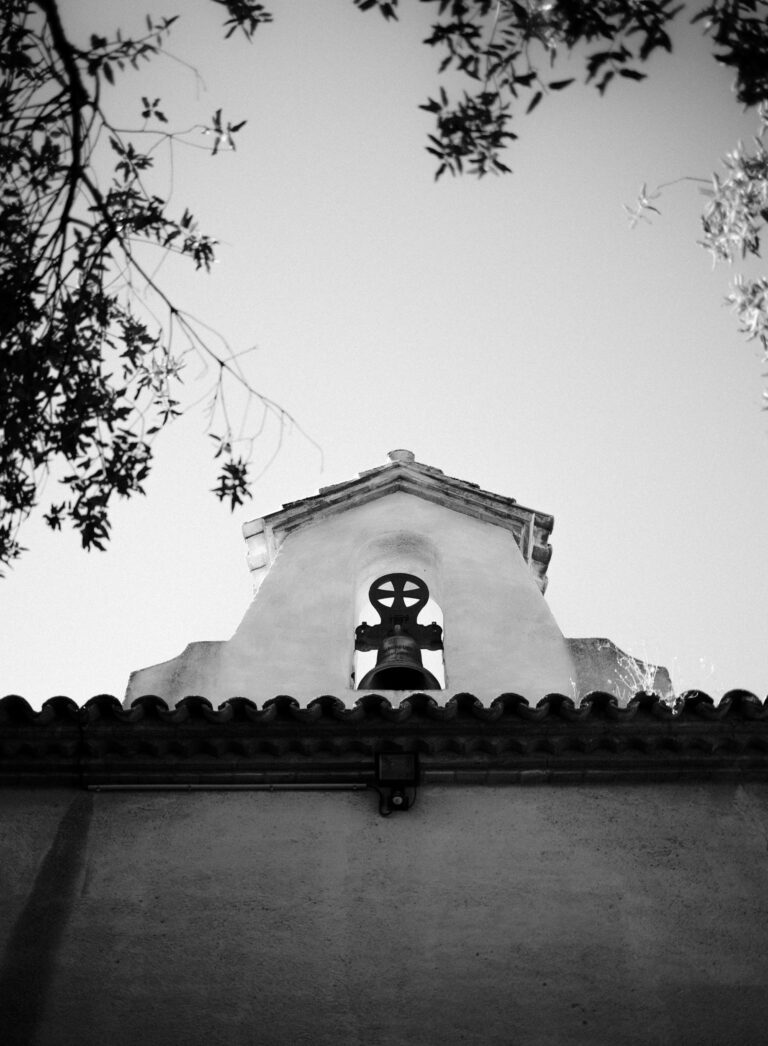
<point x="398" y="638"/>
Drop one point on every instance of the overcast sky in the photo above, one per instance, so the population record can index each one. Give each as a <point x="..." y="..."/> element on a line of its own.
<point x="514" y="332"/>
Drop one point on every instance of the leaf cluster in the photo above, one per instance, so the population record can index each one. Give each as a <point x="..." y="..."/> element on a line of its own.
<point x="738" y="204"/>
<point x="733" y="222"/>
<point x="88" y="374"/>
<point x="739" y="31"/>
<point x="245" y="15"/>
<point x="506" y="48"/>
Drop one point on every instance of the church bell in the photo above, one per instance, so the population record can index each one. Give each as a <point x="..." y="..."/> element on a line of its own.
<point x="398" y="639"/>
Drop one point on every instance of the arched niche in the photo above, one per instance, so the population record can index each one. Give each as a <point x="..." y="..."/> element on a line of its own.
<point x="397" y="553"/>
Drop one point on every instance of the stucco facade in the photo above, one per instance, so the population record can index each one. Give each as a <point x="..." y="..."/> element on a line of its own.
<point x="483" y="557"/>
<point x="630" y="915"/>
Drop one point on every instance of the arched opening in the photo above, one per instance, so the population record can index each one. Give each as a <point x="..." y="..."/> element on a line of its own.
<point x="401" y="651"/>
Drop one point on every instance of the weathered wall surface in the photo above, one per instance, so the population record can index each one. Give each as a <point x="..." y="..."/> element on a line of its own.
<point x="600" y="665"/>
<point x="297" y="637"/>
<point x="540" y="916"/>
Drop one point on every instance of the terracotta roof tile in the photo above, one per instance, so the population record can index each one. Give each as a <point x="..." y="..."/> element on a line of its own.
<point x="103" y="744"/>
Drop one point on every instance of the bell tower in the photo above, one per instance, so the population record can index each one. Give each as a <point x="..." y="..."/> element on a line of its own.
<point x="401" y="580"/>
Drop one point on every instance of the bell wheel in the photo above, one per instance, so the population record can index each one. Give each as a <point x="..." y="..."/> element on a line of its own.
<point x="398" y="594"/>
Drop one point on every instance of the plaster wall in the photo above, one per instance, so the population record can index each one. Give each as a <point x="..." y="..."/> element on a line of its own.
<point x="541" y="916"/>
<point x="297" y="636"/>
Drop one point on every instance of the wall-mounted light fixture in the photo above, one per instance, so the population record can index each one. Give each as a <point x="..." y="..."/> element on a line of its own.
<point x="397" y="775"/>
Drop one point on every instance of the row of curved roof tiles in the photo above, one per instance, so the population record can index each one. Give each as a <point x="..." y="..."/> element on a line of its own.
<point x="695" y="705"/>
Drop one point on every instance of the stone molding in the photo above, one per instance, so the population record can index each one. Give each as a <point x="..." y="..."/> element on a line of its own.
<point x="531" y="529"/>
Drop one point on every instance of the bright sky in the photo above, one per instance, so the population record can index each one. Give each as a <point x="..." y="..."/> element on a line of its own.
<point x="513" y="332"/>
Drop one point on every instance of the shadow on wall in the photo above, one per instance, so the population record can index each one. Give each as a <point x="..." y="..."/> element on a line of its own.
<point x="29" y="961"/>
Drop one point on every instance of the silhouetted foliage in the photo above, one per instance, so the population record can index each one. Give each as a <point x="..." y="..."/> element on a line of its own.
<point x="507" y="49"/>
<point x="89" y="377"/>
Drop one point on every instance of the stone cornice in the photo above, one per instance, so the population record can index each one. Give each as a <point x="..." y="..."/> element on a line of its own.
<point x="531" y="529"/>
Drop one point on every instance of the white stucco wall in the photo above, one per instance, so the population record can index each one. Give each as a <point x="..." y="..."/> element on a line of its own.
<point x="297" y="636"/>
